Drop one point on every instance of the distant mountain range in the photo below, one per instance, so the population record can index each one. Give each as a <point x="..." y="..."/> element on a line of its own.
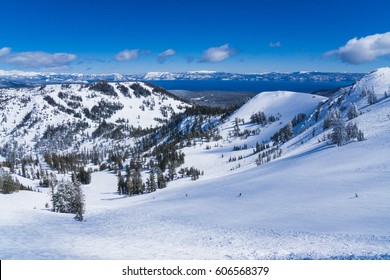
<point x="21" y="78"/>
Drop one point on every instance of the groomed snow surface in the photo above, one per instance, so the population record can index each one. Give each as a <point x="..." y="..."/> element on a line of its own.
<point x="300" y="206"/>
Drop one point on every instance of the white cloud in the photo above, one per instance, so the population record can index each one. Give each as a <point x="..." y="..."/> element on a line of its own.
<point x="40" y="59"/>
<point x="275" y="45"/>
<point x="218" y="54"/>
<point x="127" y="55"/>
<point x="163" y="56"/>
<point x="5" y="51"/>
<point x="362" y="50"/>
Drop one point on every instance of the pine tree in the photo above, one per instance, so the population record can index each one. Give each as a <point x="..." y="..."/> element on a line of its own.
<point x="352" y="131"/>
<point x="68" y="197"/>
<point x="129" y="185"/>
<point x="333" y="115"/>
<point x="353" y="111"/>
<point x="161" y="182"/>
<point x="152" y="181"/>
<point x="171" y="171"/>
<point x="137" y="182"/>
<point x="371" y="98"/>
<point x="339" y="134"/>
<point x="360" y="136"/>
<point x="78" y="202"/>
<point x="121" y="183"/>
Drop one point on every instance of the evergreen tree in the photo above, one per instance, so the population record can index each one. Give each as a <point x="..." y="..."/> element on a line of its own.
<point x="78" y="202"/>
<point x="352" y="131"/>
<point x="339" y="134"/>
<point x="152" y="181"/>
<point x="138" y="188"/>
<point x="129" y="185"/>
<point x="360" y="136"/>
<point x="67" y="197"/>
<point x="83" y="176"/>
<point x="333" y="115"/>
<point x="371" y="98"/>
<point x="353" y="111"/>
<point x="161" y="181"/>
<point x="121" y="183"/>
<point x="171" y="171"/>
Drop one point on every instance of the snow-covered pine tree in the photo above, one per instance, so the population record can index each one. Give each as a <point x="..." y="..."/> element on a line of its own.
<point x="68" y="197"/>
<point x="78" y="202"/>
<point x="339" y="134"/>
<point x="353" y="111"/>
<point x="152" y="180"/>
<point x="371" y="98"/>
<point x="333" y="115"/>
<point x="129" y="185"/>
<point x="352" y="131"/>
<point x="121" y="183"/>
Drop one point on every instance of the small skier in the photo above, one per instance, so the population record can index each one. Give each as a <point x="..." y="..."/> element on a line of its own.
<point x="356" y="195"/>
<point x="239" y="195"/>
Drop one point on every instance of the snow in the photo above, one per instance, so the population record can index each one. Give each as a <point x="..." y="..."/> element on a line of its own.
<point x="302" y="205"/>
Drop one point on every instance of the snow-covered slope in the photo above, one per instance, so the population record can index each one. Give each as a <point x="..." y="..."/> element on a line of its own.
<point x="27" y="114"/>
<point x="377" y="81"/>
<point x="312" y="200"/>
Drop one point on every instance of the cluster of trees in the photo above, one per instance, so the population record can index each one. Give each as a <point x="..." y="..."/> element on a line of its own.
<point x="262" y="119"/>
<point x="260" y="147"/>
<point x="342" y="133"/>
<point x="283" y="135"/>
<point x="124" y="90"/>
<point x="67" y="197"/>
<point x="62" y="136"/>
<point x="61" y="107"/>
<point x="103" y="110"/>
<point x="268" y="155"/>
<point x="103" y="87"/>
<point x="239" y="148"/>
<point x="140" y="90"/>
<point x="71" y="162"/>
<point x="133" y="184"/>
<point x="231" y="159"/>
<point x="192" y="172"/>
<point x="10" y="185"/>
<point x="168" y="155"/>
<point x="298" y="118"/>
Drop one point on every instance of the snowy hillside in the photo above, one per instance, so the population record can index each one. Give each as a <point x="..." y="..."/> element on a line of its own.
<point x="32" y="116"/>
<point x="286" y="176"/>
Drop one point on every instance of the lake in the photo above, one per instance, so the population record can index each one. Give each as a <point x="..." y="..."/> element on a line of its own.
<point x="250" y="86"/>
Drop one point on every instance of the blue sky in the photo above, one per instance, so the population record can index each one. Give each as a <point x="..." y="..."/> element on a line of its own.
<point x="245" y="36"/>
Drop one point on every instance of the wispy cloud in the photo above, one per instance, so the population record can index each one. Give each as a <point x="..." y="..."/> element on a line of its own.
<point x="38" y="59"/>
<point x="5" y="51"/>
<point x="218" y="54"/>
<point x="127" y="55"/>
<point x="275" y="45"/>
<point x="162" y="57"/>
<point x="363" y="50"/>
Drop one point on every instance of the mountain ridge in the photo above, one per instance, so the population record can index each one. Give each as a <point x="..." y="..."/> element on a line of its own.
<point x="30" y="78"/>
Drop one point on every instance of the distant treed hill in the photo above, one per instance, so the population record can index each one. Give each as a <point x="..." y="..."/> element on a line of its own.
<point x="223" y="99"/>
